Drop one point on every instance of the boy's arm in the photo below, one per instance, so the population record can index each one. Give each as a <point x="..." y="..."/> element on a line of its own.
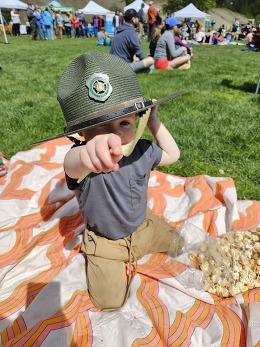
<point x="100" y="154"/>
<point x="170" y="150"/>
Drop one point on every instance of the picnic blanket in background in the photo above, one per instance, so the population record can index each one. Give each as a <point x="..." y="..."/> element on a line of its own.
<point x="44" y="298"/>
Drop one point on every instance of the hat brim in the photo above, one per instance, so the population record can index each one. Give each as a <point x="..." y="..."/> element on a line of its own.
<point x="137" y="107"/>
<point x="173" y="24"/>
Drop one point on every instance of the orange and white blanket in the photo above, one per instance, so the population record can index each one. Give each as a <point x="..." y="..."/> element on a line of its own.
<point x="44" y="298"/>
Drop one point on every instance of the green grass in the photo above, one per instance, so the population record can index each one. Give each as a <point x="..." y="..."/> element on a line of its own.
<point x="216" y="123"/>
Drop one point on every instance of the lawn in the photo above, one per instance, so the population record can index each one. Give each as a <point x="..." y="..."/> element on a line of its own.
<point x="216" y="123"/>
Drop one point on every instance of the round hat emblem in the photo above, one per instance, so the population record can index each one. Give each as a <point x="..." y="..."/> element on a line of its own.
<point x="99" y="87"/>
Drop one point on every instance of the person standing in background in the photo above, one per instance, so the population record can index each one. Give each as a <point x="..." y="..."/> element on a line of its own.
<point x="212" y="23"/>
<point x="152" y="13"/>
<point x="116" y="21"/>
<point x="101" y="23"/>
<point x="95" y="25"/>
<point x="32" y="21"/>
<point x="82" y="24"/>
<point x="54" y="22"/>
<point x="15" y="18"/>
<point x="75" y="23"/>
<point x="59" y="19"/>
<point x="235" y="30"/>
<point x="40" y="22"/>
<point x="48" y="24"/>
<point x="72" y="32"/>
<point x="141" y="20"/>
<point x="158" y="18"/>
<point x="197" y="26"/>
<point x="67" y="25"/>
<point x="122" y="20"/>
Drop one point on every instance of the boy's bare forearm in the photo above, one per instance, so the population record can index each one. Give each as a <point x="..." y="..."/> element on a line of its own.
<point x="100" y="154"/>
<point x="164" y="139"/>
<point x="73" y="165"/>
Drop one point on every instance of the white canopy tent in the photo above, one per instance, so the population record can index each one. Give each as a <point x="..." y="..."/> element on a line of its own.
<point x="94" y="9"/>
<point x="190" y="11"/>
<point x="10" y="4"/>
<point x="137" y="5"/>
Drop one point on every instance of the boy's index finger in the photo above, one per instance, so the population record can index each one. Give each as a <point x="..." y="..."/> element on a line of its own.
<point x="114" y="144"/>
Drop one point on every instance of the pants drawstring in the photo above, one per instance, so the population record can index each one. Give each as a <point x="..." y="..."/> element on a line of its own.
<point x="130" y="277"/>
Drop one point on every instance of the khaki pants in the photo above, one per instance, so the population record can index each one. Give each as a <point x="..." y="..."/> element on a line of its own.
<point x="107" y="259"/>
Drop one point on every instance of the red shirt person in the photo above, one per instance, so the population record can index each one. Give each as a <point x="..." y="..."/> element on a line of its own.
<point x="152" y="13"/>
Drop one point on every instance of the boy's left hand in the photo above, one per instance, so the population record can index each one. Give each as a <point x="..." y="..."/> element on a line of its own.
<point x="153" y="115"/>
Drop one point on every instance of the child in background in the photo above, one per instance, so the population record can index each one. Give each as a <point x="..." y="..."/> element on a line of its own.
<point x="75" y="23"/>
<point x="215" y="39"/>
<point x="101" y="100"/>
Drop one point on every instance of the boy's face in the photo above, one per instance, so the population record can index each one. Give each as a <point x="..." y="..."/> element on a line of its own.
<point x="124" y="127"/>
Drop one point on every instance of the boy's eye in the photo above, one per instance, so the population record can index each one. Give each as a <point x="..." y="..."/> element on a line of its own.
<point x="124" y="123"/>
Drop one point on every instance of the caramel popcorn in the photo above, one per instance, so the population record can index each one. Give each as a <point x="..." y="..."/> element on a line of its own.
<point x="231" y="263"/>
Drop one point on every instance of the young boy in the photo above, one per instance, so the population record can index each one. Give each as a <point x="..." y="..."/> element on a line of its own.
<point x="101" y="100"/>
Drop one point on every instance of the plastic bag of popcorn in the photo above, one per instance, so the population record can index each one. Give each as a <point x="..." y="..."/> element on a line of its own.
<point x="230" y="263"/>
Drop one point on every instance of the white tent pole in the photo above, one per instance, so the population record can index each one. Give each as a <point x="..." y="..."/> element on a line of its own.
<point x="2" y="22"/>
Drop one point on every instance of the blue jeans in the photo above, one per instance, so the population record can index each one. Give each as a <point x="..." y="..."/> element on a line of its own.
<point x="72" y="33"/>
<point x="41" y="29"/>
<point x="49" y="32"/>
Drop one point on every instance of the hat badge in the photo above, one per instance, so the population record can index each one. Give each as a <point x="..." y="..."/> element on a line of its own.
<point x="99" y="87"/>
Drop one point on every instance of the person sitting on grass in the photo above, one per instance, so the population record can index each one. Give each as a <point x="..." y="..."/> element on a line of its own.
<point x="166" y="56"/>
<point x="156" y="34"/>
<point x="182" y="43"/>
<point x="120" y="229"/>
<point x="249" y="37"/>
<point x="101" y="36"/>
<point x="208" y="38"/>
<point x="126" y="43"/>
<point x="200" y="35"/>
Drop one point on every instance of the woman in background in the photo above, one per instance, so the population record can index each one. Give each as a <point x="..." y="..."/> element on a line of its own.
<point x="208" y="37"/>
<point x="59" y="23"/>
<point x="48" y="23"/>
<point x="15" y="18"/>
<point x="200" y="35"/>
<point x="166" y="56"/>
<point x="75" y="23"/>
<point x="156" y="34"/>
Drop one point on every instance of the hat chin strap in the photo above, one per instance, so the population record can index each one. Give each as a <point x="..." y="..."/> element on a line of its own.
<point x="129" y="147"/>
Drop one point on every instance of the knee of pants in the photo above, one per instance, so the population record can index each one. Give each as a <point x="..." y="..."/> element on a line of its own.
<point x="108" y="302"/>
<point x="107" y="282"/>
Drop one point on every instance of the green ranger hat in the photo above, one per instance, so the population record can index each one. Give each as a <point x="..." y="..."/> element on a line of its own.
<point x="96" y="88"/>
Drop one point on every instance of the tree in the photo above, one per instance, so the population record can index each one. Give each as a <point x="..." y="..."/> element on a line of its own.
<point x="250" y="8"/>
<point x="128" y="2"/>
<point x="176" y="5"/>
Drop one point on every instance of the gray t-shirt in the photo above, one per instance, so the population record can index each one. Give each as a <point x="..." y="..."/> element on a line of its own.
<point x="101" y="36"/>
<point x="114" y="204"/>
<point x="165" y="48"/>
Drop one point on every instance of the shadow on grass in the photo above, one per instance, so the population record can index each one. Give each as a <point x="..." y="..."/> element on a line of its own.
<point x="246" y="87"/>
